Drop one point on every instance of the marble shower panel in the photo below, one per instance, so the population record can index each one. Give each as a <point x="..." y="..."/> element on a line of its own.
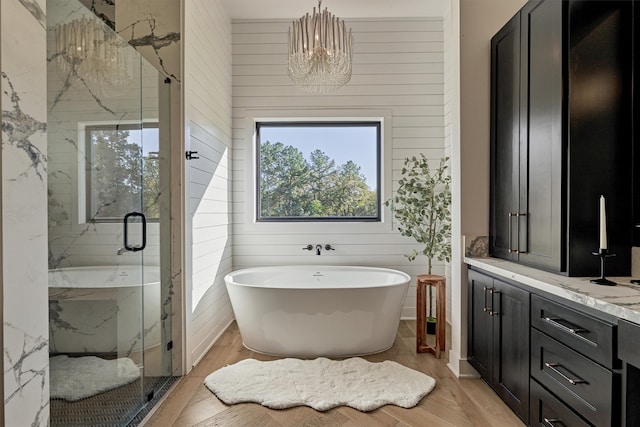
<point x="24" y="212"/>
<point x="153" y="28"/>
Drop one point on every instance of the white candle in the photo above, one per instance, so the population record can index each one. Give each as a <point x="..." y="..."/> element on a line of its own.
<point x="603" y="224"/>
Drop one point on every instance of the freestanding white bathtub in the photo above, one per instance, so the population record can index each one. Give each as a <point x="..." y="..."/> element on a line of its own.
<point x="312" y="311"/>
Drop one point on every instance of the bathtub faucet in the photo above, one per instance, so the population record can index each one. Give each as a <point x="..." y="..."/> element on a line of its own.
<point x="319" y="248"/>
<point x="121" y="251"/>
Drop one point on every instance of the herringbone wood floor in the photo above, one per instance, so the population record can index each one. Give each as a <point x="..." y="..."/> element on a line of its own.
<point x="454" y="402"/>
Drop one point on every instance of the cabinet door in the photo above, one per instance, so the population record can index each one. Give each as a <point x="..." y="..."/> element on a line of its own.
<point x="480" y="331"/>
<point x="540" y="223"/>
<point x="510" y="374"/>
<point x="505" y="105"/>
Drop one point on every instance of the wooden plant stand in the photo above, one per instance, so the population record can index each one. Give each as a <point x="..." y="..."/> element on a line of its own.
<point x="440" y="284"/>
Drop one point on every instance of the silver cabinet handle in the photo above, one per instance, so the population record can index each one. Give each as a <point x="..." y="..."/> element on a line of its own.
<point x="516" y="215"/>
<point x="572" y="329"/>
<point x="485" y="308"/>
<point x="553" y="422"/>
<point x="491" y="292"/>
<point x="518" y="228"/>
<point x="509" y="234"/>
<point x="493" y="313"/>
<point x="554" y="367"/>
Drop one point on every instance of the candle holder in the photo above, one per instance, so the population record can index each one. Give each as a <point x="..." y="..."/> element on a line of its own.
<point x="602" y="280"/>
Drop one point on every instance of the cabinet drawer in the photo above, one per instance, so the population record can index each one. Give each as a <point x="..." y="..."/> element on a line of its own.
<point x="548" y="411"/>
<point x="585" y="386"/>
<point x="583" y="333"/>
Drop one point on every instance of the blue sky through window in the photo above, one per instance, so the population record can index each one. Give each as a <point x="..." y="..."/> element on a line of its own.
<point x="341" y="143"/>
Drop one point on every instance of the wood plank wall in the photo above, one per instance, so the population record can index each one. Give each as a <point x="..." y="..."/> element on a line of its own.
<point x="207" y="83"/>
<point x="399" y="67"/>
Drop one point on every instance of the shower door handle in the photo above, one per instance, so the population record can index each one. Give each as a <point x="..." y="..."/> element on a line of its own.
<point x="127" y="246"/>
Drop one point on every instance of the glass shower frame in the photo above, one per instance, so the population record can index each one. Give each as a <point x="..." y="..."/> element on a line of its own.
<point x="140" y="324"/>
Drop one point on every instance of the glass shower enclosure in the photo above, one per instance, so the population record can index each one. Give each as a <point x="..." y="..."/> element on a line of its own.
<point x="108" y="188"/>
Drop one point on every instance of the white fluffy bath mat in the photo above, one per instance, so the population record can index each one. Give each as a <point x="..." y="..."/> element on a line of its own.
<point x="76" y="378"/>
<point x="321" y="383"/>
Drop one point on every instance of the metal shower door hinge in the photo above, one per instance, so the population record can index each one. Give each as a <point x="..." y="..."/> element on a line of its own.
<point x="190" y="155"/>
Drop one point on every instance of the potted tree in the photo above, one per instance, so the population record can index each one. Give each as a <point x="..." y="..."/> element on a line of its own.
<point x="421" y="207"/>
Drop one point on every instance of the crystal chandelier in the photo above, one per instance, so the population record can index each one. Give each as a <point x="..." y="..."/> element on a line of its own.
<point x="95" y="54"/>
<point x="320" y="51"/>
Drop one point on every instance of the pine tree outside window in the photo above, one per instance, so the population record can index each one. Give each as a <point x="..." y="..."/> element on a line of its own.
<point x="121" y="170"/>
<point x="318" y="171"/>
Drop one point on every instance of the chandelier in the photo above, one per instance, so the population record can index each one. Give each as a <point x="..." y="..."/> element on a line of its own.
<point x="320" y="51"/>
<point x="95" y="54"/>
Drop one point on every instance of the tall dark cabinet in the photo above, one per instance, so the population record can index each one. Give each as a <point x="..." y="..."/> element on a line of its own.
<point x="505" y="136"/>
<point x="561" y="135"/>
<point x="636" y="124"/>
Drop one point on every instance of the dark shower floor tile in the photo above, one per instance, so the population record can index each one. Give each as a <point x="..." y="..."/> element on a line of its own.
<point x="115" y="408"/>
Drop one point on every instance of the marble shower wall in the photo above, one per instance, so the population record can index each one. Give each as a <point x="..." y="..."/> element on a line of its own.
<point x="103" y="9"/>
<point x="24" y="212"/>
<point x="153" y="28"/>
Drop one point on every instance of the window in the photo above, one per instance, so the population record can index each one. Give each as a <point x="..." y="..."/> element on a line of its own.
<point x="122" y="171"/>
<point x="318" y="171"/>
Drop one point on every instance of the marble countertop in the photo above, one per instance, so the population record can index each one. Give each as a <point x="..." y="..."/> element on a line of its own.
<point x="622" y="300"/>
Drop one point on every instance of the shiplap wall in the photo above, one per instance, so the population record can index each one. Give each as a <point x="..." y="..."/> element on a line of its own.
<point x="398" y="67"/>
<point x="207" y="100"/>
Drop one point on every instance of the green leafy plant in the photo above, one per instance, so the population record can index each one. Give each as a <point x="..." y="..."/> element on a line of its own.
<point x="421" y="207"/>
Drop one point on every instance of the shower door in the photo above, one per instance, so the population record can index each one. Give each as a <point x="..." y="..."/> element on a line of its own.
<point x="106" y="206"/>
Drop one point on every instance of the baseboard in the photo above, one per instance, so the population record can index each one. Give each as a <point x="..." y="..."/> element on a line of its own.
<point x="213" y="341"/>
<point x="460" y="367"/>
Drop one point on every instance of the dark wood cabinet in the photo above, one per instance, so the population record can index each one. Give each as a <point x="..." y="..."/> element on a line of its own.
<point x="629" y="353"/>
<point x="505" y="135"/>
<point x="499" y="338"/>
<point x="587" y="387"/>
<point x="574" y="365"/>
<point x="539" y="222"/>
<point x="561" y="135"/>
<point x="480" y="349"/>
<point x="547" y="410"/>
<point x="549" y="358"/>
<point x="636" y="123"/>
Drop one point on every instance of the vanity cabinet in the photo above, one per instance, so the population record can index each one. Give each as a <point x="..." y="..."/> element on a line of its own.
<point x="573" y="361"/>
<point x="561" y="135"/>
<point x="499" y="338"/>
<point x="549" y="411"/>
<point x="576" y="380"/>
<point x="629" y="353"/>
<point x="552" y="361"/>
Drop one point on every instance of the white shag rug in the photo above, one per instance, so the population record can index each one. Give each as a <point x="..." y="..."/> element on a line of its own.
<point x="76" y="378"/>
<point x="320" y="383"/>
